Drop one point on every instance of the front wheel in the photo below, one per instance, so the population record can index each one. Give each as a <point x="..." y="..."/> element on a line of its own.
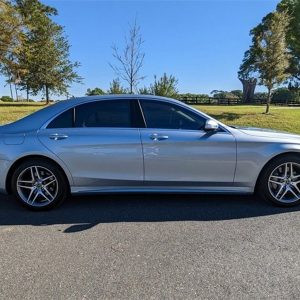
<point x="280" y="181"/>
<point x="39" y="184"/>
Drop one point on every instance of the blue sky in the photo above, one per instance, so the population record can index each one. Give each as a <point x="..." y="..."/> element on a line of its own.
<point x="200" y="42"/>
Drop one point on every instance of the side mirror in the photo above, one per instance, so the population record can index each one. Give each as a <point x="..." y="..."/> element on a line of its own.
<point x="211" y="125"/>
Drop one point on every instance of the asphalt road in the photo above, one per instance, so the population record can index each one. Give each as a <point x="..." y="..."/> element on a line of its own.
<point x="150" y="247"/>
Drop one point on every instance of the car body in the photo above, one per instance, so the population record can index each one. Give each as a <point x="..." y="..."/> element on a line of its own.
<point x="137" y="154"/>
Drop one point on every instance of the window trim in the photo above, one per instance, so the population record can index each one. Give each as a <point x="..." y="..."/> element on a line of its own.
<point x="136" y="100"/>
<point x="136" y="122"/>
<point x="174" y="104"/>
<point x="221" y="129"/>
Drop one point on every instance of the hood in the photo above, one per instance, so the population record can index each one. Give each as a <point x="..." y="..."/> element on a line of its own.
<point x="268" y="133"/>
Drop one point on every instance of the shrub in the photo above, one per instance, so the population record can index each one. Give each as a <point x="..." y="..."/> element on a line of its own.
<point x="284" y="95"/>
<point x="6" y="99"/>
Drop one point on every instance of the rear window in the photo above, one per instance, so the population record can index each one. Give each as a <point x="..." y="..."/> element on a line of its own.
<point x="111" y="113"/>
<point x="116" y="113"/>
<point x="64" y="120"/>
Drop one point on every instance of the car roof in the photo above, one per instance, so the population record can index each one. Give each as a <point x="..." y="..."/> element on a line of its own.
<point x="117" y="96"/>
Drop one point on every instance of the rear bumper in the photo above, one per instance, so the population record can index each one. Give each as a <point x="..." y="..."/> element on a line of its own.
<point x="4" y="167"/>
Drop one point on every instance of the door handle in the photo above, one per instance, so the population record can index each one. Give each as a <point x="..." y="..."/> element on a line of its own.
<point x="158" y="137"/>
<point x="57" y="136"/>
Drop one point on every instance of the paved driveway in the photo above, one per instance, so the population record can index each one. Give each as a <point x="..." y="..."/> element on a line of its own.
<point x="150" y="247"/>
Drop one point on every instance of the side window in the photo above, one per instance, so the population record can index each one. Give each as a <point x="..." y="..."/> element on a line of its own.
<point x="64" y="120"/>
<point x="170" y="116"/>
<point x="110" y="113"/>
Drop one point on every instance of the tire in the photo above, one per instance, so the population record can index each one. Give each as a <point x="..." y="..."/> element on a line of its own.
<point x="279" y="182"/>
<point x="39" y="184"/>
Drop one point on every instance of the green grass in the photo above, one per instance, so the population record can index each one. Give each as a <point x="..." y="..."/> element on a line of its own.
<point x="10" y="112"/>
<point x="281" y="118"/>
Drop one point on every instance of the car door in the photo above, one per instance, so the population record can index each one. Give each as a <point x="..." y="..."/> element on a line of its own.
<point x="177" y="151"/>
<point x="98" y="142"/>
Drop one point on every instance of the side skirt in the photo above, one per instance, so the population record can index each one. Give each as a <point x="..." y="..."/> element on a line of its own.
<point x="75" y="190"/>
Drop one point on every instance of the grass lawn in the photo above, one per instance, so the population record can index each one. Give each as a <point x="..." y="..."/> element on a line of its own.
<point x="281" y="118"/>
<point x="10" y="112"/>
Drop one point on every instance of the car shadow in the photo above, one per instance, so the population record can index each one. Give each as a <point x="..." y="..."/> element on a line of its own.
<point x="83" y="213"/>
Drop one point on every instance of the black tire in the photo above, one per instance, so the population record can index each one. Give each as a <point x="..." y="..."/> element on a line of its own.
<point x="61" y="184"/>
<point x="263" y="182"/>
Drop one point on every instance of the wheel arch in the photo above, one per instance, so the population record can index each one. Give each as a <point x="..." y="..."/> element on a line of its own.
<point x="20" y="160"/>
<point x="270" y="161"/>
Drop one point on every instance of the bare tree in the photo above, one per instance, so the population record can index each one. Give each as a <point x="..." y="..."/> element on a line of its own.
<point x="130" y="60"/>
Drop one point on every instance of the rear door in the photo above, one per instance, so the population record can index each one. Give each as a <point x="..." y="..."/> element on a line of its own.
<point x="99" y="143"/>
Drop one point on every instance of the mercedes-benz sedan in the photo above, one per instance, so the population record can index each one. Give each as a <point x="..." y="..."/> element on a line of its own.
<point x="133" y="143"/>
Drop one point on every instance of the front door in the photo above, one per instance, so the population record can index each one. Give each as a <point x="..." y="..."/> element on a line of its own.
<point x="178" y="152"/>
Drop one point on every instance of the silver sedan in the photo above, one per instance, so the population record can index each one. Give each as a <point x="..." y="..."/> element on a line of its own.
<point x="133" y="143"/>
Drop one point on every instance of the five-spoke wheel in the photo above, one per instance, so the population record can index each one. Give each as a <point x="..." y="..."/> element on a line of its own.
<point x="284" y="182"/>
<point x="280" y="181"/>
<point x="39" y="184"/>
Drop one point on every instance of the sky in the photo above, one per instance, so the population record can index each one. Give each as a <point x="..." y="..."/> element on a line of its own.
<point x="200" y="42"/>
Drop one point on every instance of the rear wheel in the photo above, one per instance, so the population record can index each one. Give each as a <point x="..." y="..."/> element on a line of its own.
<point x="39" y="185"/>
<point x="280" y="181"/>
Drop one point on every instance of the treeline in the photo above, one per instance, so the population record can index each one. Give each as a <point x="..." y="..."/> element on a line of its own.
<point x="166" y="86"/>
<point x="34" y="51"/>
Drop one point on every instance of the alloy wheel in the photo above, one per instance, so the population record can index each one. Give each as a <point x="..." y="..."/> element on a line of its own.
<point x="284" y="183"/>
<point x="37" y="186"/>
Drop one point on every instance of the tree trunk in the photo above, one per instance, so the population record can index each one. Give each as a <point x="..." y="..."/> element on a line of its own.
<point x="249" y="86"/>
<point x="16" y="90"/>
<point x="268" y="101"/>
<point x="11" y="91"/>
<point x="27" y="93"/>
<point x="47" y="94"/>
<point x="131" y="87"/>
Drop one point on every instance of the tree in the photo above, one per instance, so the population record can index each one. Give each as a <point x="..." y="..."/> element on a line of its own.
<point x="189" y="95"/>
<point x="47" y="53"/>
<point x="41" y="61"/>
<point x="285" y="95"/>
<point x="165" y="86"/>
<point x="116" y="87"/>
<point x="6" y="99"/>
<point x="268" y="56"/>
<point x="95" y="92"/>
<point x="131" y="59"/>
<point x="246" y="74"/>
<point x="144" y="91"/>
<point x="292" y="8"/>
<point x="237" y="93"/>
<point x="11" y="37"/>
<point x="260" y="96"/>
<point x="273" y="58"/>
<point x="10" y="30"/>
<point x="224" y="95"/>
<point x="293" y="37"/>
